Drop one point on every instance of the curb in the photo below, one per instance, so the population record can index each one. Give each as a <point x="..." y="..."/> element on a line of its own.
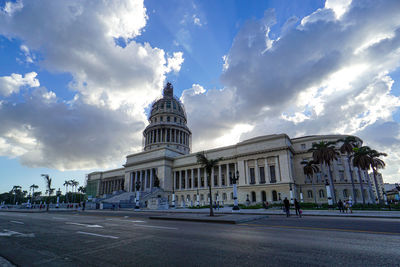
<point x="192" y="220"/>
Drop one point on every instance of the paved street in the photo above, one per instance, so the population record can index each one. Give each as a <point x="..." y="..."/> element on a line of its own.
<point x="122" y="239"/>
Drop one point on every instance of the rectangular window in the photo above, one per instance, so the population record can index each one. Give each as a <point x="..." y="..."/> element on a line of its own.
<point x="168" y="104"/>
<point x="341" y="176"/>
<point x="215" y="180"/>
<point x="202" y="181"/>
<point x="303" y="146"/>
<point x="272" y="174"/>
<point x="262" y="175"/>
<point x="223" y="180"/>
<point x="177" y="181"/>
<point x="196" y="182"/>
<point x="252" y="176"/>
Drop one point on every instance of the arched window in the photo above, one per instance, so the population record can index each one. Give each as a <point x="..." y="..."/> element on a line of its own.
<point x="253" y="196"/>
<point x="224" y="196"/>
<point x="345" y="193"/>
<point x="263" y="196"/>
<point x="321" y="193"/>
<point x="201" y="197"/>
<point x="309" y="194"/>
<point x="274" y="196"/>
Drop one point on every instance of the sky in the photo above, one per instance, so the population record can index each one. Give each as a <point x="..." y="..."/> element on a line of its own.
<point x="77" y="77"/>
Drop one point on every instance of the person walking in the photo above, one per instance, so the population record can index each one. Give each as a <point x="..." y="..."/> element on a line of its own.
<point x="340" y="206"/>
<point x="287" y="206"/>
<point x="297" y="207"/>
<point x="347" y="206"/>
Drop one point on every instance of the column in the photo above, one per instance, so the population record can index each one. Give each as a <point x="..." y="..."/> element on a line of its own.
<point x="174" y="181"/>
<point x="145" y="179"/>
<point x="266" y="170"/>
<point x="151" y="179"/>
<point x="170" y="135"/>
<point x="228" y="177"/>
<point x="212" y="177"/>
<point x="192" y="170"/>
<point x="198" y="178"/>
<point x="277" y="169"/>
<point x="246" y="170"/>
<point x="205" y="178"/>
<point x="156" y="135"/>
<point x="256" y="171"/>
<point x="141" y="180"/>
<point x="220" y="175"/>
<point x="186" y="179"/>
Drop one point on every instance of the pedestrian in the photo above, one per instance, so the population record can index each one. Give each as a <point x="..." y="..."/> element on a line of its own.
<point x="297" y="207"/>
<point x="340" y="206"/>
<point x="287" y="206"/>
<point x="347" y="206"/>
<point x="350" y="205"/>
<point x="83" y="205"/>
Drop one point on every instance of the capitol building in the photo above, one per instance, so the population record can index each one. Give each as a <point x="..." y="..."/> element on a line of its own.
<point x="269" y="167"/>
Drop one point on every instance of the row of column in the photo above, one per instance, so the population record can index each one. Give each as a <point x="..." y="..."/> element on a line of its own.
<point x="167" y="135"/>
<point x="182" y="179"/>
<point x="271" y="173"/>
<point x="107" y="187"/>
<point x="146" y="178"/>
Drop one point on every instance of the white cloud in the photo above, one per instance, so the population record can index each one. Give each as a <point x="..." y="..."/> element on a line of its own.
<point x="313" y="79"/>
<point x="12" y="84"/>
<point x="175" y="62"/>
<point x="196" y="20"/>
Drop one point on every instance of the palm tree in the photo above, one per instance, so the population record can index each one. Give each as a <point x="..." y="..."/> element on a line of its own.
<point x="377" y="163"/>
<point x="15" y="190"/>
<point x="324" y="153"/>
<point x="309" y="169"/>
<point x="349" y="143"/>
<point x="74" y="184"/>
<point x="66" y="184"/>
<point x="49" y="190"/>
<point x="81" y="189"/>
<point x="208" y="164"/>
<point x="361" y="160"/>
<point x="33" y="187"/>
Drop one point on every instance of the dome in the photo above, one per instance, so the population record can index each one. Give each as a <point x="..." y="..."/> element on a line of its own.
<point x="168" y="104"/>
<point x="167" y="124"/>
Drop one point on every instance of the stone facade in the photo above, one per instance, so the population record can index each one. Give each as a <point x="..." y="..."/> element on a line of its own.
<point x="268" y="166"/>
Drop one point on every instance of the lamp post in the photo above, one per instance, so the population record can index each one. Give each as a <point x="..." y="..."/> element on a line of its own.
<point x="328" y="193"/>
<point x="137" y="206"/>
<point x="198" y="198"/>
<point x="301" y="195"/>
<point x="173" y="197"/>
<point x="291" y="194"/>
<point x="234" y="179"/>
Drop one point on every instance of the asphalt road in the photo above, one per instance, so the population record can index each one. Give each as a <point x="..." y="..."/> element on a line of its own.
<point x="98" y="239"/>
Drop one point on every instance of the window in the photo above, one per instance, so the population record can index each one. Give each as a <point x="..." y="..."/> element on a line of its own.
<point x="177" y="180"/>
<point x="202" y="197"/>
<point x="274" y="196"/>
<point x="252" y="176"/>
<point x="341" y="176"/>
<point x="253" y="196"/>
<point x="161" y="118"/>
<point x="263" y="196"/>
<point x="202" y="181"/>
<point x="155" y="119"/>
<point x="174" y="119"/>
<point x="168" y="104"/>
<point x="224" y="196"/>
<point x="262" y="175"/>
<point x="168" y="118"/>
<point x="223" y="180"/>
<point x="162" y="105"/>
<point x="215" y="180"/>
<point x="309" y="194"/>
<point x="345" y="193"/>
<point x="303" y="146"/>
<point x="321" y="193"/>
<point x="196" y="182"/>
<point x="272" y="174"/>
<point x="174" y="104"/>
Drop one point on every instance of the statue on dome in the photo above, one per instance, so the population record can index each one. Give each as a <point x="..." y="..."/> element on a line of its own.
<point x="168" y="90"/>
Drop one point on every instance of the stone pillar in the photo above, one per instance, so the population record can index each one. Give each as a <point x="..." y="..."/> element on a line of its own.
<point x="156" y="135"/>
<point x="212" y="177"/>
<point x="198" y="178"/>
<point x="266" y="172"/>
<point x="141" y="180"/>
<point x="186" y="179"/>
<point x="151" y="178"/>
<point x="256" y="172"/>
<point x="277" y="169"/>
<point x="174" y="181"/>
<point x="205" y="178"/>
<point x="228" y="177"/>
<point x="192" y="170"/>
<point x="247" y="178"/>
<point x="220" y="175"/>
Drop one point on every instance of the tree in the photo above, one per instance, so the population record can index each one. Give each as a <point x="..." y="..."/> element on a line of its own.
<point x="324" y="153"/>
<point x="309" y="169"/>
<point x="33" y="187"/>
<point x="15" y="190"/>
<point x="349" y="143"/>
<point x="74" y="184"/>
<point x="82" y="189"/>
<point x="66" y="184"/>
<point x="376" y="163"/>
<point x="208" y="164"/>
<point x="361" y="160"/>
<point x="49" y="190"/>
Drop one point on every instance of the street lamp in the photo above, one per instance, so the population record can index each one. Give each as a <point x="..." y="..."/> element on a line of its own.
<point x="328" y="193"/>
<point x="301" y="195"/>
<point x="137" y="206"/>
<point x="291" y="194"/>
<point x="198" y="198"/>
<point x="234" y="179"/>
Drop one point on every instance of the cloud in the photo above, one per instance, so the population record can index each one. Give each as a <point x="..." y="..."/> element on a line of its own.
<point x="330" y="74"/>
<point x="12" y="84"/>
<point x="112" y="85"/>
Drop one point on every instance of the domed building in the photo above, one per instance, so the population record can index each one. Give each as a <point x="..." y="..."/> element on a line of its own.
<point x="167" y="124"/>
<point x="269" y="167"/>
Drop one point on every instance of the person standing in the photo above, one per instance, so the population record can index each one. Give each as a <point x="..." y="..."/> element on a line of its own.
<point x="297" y="207"/>
<point x="287" y="206"/>
<point x="340" y="206"/>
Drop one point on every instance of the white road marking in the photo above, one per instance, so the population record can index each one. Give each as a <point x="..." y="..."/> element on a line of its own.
<point x="119" y="220"/>
<point x="153" y="226"/>
<point x="87" y="225"/>
<point x="11" y="233"/>
<point x="59" y="218"/>
<point x="17" y="222"/>
<point x="106" y="236"/>
<point x="137" y="221"/>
